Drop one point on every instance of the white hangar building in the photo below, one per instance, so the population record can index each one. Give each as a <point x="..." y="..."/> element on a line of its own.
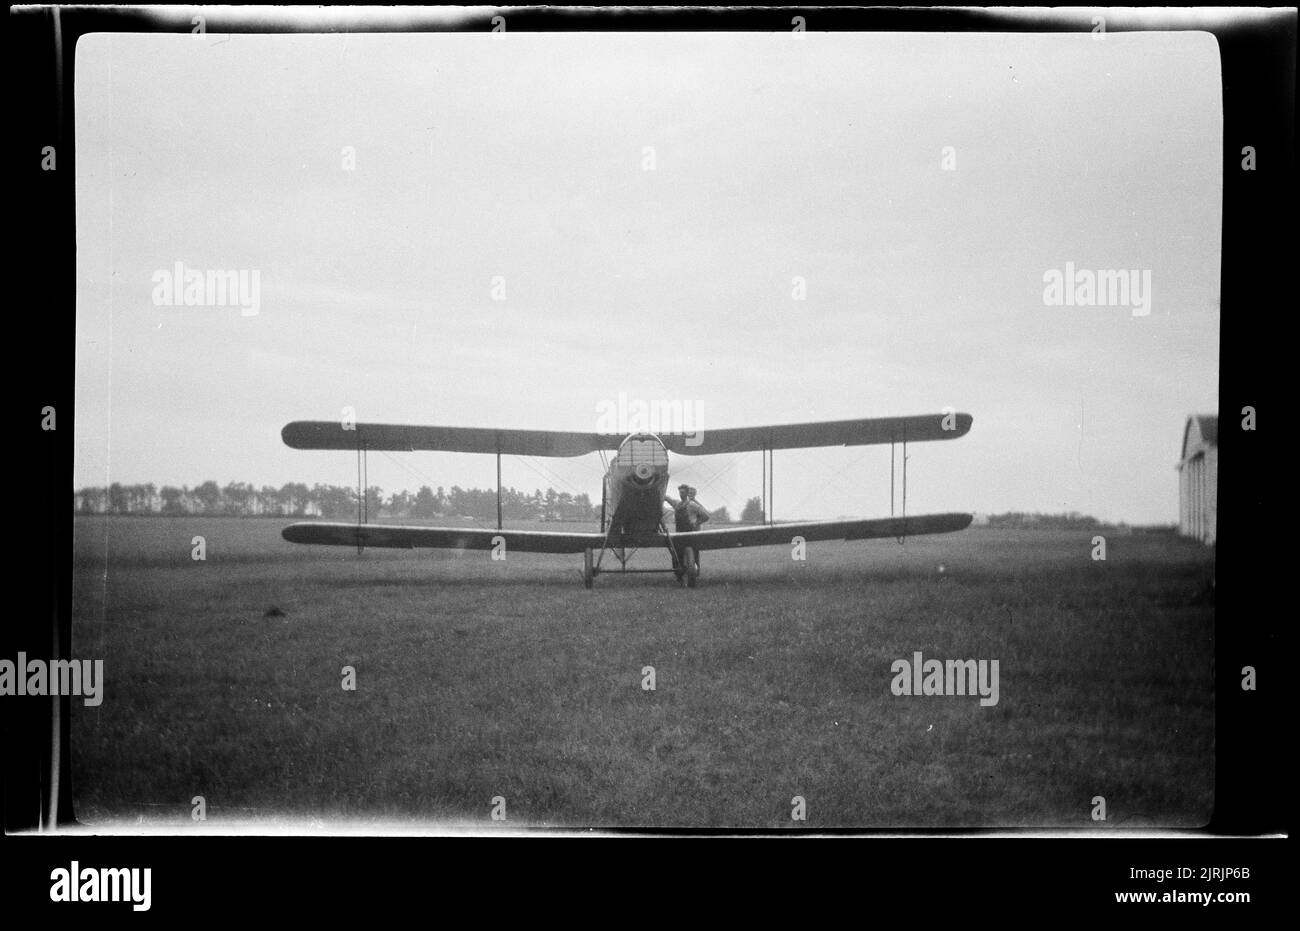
<point x="1198" y="479"/>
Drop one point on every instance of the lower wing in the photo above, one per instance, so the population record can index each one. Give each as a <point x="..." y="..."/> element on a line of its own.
<point x="455" y="538"/>
<point x="536" y="541"/>
<point x="776" y="534"/>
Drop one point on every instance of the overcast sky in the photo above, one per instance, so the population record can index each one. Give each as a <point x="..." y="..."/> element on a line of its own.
<point x="774" y="157"/>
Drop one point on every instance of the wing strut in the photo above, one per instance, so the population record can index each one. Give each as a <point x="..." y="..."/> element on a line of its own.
<point x="892" y="494"/>
<point x="363" y="477"/>
<point x="769" y="485"/>
<point x="904" y="537"/>
<point x="902" y="540"/>
<point x="498" y="488"/>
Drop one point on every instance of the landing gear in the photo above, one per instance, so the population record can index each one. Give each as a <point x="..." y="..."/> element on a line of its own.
<point x="685" y="559"/>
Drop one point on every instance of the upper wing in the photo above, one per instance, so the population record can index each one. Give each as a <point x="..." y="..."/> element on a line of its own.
<point x="457" y="538"/>
<point x="862" y="432"/>
<point x="774" y="534"/>
<point x="330" y="434"/>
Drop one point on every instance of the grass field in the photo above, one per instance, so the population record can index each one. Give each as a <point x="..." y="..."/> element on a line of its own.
<point x="477" y="679"/>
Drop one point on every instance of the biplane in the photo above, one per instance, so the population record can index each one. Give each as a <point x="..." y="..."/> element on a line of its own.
<point x="632" y="514"/>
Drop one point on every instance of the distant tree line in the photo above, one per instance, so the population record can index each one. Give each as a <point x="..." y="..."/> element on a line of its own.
<point x="753" y="513"/>
<point x="338" y="502"/>
<point x="1071" y="521"/>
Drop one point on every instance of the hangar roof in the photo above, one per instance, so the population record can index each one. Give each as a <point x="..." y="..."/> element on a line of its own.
<point x="1206" y="434"/>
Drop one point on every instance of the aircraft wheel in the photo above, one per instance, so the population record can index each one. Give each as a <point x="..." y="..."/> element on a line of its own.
<point x="690" y="560"/>
<point x="588" y="570"/>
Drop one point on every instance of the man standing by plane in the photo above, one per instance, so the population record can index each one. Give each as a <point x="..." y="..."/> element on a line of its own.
<point x="688" y="513"/>
<point x="698" y="513"/>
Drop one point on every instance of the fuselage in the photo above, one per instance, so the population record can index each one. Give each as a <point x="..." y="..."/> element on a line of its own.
<point x="635" y="486"/>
